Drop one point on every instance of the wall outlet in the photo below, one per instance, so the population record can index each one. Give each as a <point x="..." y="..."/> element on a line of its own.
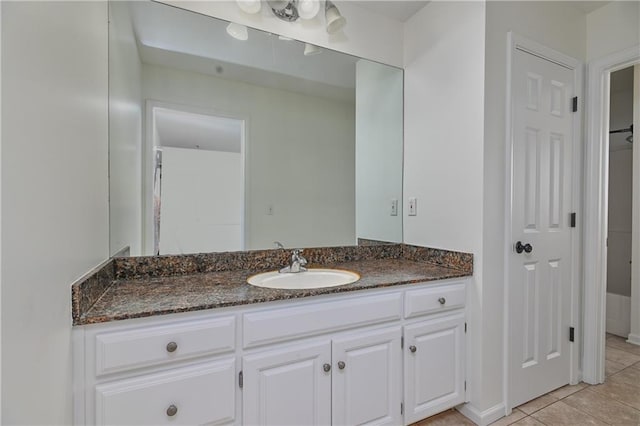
<point x="394" y="207"/>
<point x="413" y="206"/>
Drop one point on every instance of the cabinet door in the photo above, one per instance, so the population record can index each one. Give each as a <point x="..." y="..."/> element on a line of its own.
<point x="367" y="377"/>
<point x="199" y="394"/>
<point x="288" y="386"/>
<point x="434" y="366"/>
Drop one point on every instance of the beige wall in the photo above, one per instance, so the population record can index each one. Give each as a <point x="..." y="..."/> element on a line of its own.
<point x="613" y="28"/>
<point x="55" y="222"/>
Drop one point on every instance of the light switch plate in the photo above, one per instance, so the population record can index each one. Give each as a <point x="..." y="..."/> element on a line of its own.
<point x="394" y="207"/>
<point x="413" y="206"/>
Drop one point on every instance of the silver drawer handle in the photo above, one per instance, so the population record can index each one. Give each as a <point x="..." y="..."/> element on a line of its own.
<point x="172" y="410"/>
<point x="171" y="347"/>
<point x="326" y="368"/>
<point x="341" y="365"/>
<point x="442" y="300"/>
<point x="413" y="349"/>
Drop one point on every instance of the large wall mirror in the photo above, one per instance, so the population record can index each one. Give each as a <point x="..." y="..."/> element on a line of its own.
<point x="221" y="144"/>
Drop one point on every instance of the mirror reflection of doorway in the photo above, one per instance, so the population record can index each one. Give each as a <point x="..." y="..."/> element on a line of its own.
<point x="198" y="182"/>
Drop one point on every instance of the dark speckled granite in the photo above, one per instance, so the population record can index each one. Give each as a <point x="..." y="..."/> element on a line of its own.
<point x="87" y="290"/>
<point x="146" y="286"/>
<point x="163" y="266"/>
<point x="446" y="258"/>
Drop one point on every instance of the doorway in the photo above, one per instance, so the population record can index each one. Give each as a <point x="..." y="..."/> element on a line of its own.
<point x="195" y="191"/>
<point x="596" y="214"/>
<point x="619" y="232"/>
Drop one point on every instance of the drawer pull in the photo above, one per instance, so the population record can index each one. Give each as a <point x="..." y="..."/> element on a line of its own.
<point x="341" y="365"/>
<point x="442" y="300"/>
<point x="326" y="368"/>
<point x="413" y="349"/>
<point x="172" y="410"/>
<point x="171" y="347"/>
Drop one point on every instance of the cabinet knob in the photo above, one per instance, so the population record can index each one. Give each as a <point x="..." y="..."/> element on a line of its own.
<point x="172" y="410"/>
<point x="171" y="347"/>
<point x="341" y="365"/>
<point x="442" y="300"/>
<point x="326" y="368"/>
<point x="413" y="348"/>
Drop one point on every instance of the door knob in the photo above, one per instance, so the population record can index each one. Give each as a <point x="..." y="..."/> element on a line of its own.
<point x="341" y="365"/>
<point x="527" y="248"/>
<point x="326" y="368"/>
<point x="413" y="349"/>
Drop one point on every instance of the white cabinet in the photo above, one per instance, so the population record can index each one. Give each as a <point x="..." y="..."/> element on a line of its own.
<point x="367" y="378"/>
<point x="288" y="386"/>
<point x="434" y="366"/>
<point x="354" y="379"/>
<point x="198" y="394"/>
<point x="337" y="359"/>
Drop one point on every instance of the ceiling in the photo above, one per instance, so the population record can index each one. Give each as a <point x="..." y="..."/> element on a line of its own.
<point x="400" y="10"/>
<point x="180" y="39"/>
<point x="187" y="130"/>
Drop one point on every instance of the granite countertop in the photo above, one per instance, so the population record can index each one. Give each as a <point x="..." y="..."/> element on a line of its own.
<point x="148" y="295"/>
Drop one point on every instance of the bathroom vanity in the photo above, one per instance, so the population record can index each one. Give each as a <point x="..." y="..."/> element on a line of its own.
<point x="388" y="349"/>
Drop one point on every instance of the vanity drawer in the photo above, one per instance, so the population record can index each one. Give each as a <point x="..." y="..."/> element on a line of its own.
<point x="278" y="325"/>
<point x="434" y="299"/>
<point x="153" y="345"/>
<point x="200" y="394"/>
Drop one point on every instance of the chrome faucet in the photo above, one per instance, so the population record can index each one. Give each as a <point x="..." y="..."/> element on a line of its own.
<point x="297" y="264"/>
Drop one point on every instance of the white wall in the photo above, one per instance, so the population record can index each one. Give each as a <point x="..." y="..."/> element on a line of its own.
<point x="562" y="27"/>
<point x="202" y="197"/>
<point x="444" y="103"/>
<point x="367" y="34"/>
<point x="312" y="194"/>
<point x="125" y="133"/>
<point x="54" y="194"/>
<point x="613" y="28"/>
<point x="379" y="121"/>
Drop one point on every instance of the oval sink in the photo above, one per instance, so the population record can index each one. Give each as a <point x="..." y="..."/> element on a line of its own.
<point x="311" y="278"/>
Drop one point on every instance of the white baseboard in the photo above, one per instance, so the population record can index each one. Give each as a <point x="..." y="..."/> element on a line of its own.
<point x="482" y="418"/>
<point x="618" y="314"/>
<point x="633" y="338"/>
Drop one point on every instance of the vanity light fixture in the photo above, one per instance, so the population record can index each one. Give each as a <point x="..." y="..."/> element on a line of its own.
<point x="249" y="6"/>
<point x="308" y="9"/>
<point x="291" y="10"/>
<point x="335" y="21"/>
<point x="238" y="31"/>
<point x="311" y="49"/>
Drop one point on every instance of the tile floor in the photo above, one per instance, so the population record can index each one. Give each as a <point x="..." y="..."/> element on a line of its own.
<point x="615" y="402"/>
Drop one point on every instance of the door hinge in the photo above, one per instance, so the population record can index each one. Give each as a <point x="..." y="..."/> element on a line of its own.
<point x="240" y="379"/>
<point x="465" y="385"/>
<point x="572" y="332"/>
<point x="401" y="408"/>
<point x="573" y="220"/>
<point x="574" y="106"/>
<point x="465" y="327"/>
<point x="402" y="342"/>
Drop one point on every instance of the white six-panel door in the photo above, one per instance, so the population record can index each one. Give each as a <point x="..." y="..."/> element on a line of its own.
<point x="539" y="285"/>
<point x="367" y="378"/>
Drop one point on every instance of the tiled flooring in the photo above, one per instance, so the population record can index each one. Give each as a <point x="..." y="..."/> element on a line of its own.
<point x="616" y="402"/>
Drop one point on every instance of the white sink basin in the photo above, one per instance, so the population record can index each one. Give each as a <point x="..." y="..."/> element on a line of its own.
<point x="312" y="278"/>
